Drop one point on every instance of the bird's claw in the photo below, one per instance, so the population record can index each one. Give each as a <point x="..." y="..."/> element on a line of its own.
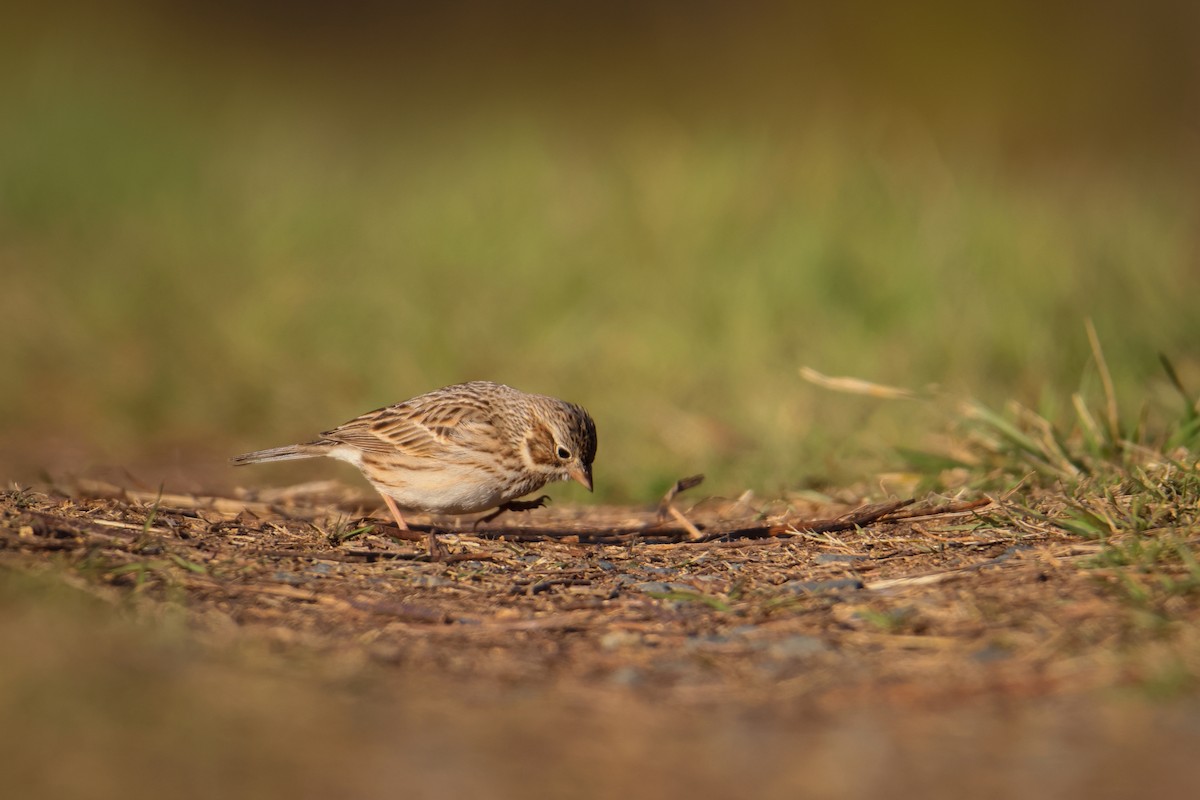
<point x="438" y="552"/>
<point x="513" y="505"/>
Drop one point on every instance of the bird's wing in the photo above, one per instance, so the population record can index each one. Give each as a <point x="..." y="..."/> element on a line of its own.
<point x="438" y="428"/>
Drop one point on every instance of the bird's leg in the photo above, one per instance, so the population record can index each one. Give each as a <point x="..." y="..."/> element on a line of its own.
<point x="514" y="505"/>
<point x="437" y="551"/>
<point x="391" y="504"/>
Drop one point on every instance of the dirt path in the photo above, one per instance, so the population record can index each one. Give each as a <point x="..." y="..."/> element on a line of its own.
<point x="862" y="633"/>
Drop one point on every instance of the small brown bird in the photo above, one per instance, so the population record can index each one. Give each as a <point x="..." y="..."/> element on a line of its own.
<point x="458" y="450"/>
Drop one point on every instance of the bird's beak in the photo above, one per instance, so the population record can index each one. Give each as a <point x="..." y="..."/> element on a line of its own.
<point x="581" y="473"/>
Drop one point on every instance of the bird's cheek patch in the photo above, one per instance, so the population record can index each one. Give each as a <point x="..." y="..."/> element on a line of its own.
<point x="541" y="446"/>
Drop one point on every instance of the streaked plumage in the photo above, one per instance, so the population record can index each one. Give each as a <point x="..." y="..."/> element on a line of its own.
<point x="460" y="449"/>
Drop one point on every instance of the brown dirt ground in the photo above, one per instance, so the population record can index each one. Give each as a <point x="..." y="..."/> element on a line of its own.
<point x="923" y="655"/>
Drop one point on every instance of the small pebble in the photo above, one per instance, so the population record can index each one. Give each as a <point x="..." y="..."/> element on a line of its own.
<point x="837" y="558"/>
<point x="817" y="587"/>
<point x="797" y="646"/>
<point x="616" y="639"/>
<point x="662" y="587"/>
<point x="626" y="676"/>
<point x="991" y="653"/>
<point x="700" y="641"/>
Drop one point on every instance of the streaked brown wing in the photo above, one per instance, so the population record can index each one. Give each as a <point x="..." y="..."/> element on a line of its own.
<point x="430" y="426"/>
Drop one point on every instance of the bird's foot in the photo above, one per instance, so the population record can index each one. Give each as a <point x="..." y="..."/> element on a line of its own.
<point x="513" y="505"/>
<point x="437" y="550"/>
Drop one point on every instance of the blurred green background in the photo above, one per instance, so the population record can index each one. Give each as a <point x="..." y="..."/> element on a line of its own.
<point x="226" y="226"/>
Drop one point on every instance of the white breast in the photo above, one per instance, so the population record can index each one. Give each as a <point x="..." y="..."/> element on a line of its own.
<point x="448" y="491"/>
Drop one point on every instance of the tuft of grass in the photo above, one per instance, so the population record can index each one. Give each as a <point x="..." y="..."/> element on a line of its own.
<point x="190" y="566"/>
<point x="1102" y="475"/>
<point x="141" y="573"/>
<point x="342" y="532"/>
<point x="895" y="620"/>
<point x="1170" y="681"/>
<point x="681" y="596"/>
<point x="149" y="523"/>
<point x="1098" y="446"/>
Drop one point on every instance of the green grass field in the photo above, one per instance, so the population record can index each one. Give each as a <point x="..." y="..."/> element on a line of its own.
<point x="211" y="260"/>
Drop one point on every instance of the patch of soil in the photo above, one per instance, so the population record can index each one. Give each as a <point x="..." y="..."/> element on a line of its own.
<point x="935" y="607"/>
<point x="723" y="649"/>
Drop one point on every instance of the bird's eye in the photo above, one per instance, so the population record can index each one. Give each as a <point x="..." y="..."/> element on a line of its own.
<point x="563" y="453"/>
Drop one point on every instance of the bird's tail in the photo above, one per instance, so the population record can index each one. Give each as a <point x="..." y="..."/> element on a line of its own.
<point x="286" y="453"/>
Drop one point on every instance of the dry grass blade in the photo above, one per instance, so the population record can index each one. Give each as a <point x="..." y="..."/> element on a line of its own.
<point x="848" y="385"/>
<point x="681" y="485"/>
<point x="1110" y="395"/>
<point x="666" y="509"/>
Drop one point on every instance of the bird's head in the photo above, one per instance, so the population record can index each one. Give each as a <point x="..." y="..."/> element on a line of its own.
<point x="561" y="443"/>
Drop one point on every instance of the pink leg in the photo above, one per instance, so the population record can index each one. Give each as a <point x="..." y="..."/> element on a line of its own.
<point x="391" y="504"/>
<point x="437" y="552"/>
